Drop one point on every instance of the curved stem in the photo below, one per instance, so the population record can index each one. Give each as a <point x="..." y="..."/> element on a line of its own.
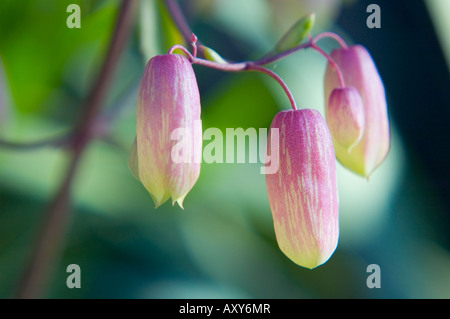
<point x="253" y="67"/>
<point x="246" y="66"/>
<point x="257" y="65"/>
<point x="182" y="48"/>
<point x="330" y="60"/>
<point x="332" y="35"/>
<point x="233" y="67"/>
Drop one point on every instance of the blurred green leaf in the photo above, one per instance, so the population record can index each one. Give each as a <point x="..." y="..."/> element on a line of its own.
<point x="38" y="45"/>
<point x="242" y="100"/>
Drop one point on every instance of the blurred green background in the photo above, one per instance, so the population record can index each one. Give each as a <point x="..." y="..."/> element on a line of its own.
<point x="222" y="245"/>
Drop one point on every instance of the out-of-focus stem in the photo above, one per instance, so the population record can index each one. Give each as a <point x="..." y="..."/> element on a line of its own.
<point x="180" y="20"/>
<point x="48" y="247"/>
<point x="29" y="146"/>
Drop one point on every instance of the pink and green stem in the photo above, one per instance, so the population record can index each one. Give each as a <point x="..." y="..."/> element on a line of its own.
<point x="258" y="64"/>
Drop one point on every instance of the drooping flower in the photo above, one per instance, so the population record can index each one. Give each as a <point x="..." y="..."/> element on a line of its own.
<point x="345" y="117"/>
<point x="303" y="193"/>
<point x="359" y="71"/>
<point x="168" y="109"/>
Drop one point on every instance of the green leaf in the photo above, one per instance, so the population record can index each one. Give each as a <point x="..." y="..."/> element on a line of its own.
<point x="296" y="33"/>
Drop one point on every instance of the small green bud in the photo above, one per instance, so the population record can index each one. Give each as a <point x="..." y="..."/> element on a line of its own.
<point x="296" y="33"/>
<point x="212" y="55"/>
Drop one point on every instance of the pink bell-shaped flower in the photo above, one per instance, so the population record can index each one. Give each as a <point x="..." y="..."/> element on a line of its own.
<point x="303" y="193"/>
<point x="359" y="71"/>
<point x="167" y="152"/>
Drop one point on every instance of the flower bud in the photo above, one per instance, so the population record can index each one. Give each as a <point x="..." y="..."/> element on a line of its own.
<point x="303" y="193"/>
<point x="359" y="71"/>
<point x="345" y="117"/>
<point x="168" y="101"/>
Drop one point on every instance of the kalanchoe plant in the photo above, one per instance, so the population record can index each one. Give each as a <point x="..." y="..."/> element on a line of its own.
<point x="303" y="193"/>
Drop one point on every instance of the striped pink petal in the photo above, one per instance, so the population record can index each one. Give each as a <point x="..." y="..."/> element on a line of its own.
<point x="303" y="193"/>
<point x="168" y="101"/>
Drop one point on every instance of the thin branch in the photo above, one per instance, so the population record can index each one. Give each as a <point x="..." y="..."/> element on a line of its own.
<point x="57" y="221"/>
<point x="48" y="248"/>
<point x="59" y="141"/>
<point x="179" y="19"/>
<point x="95" y="99"/>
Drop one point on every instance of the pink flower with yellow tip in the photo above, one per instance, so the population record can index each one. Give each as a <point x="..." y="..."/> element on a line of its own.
<point x="359" y="71"/>
<point x="303" y="193"/>
<point x="168" y="101"/>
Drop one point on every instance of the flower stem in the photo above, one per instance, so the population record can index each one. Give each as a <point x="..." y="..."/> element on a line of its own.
<point x="238" y="67"/>
<point x="270" y="58"/>
<point x="234" y="67"/>
<point x="254" y="67"/>
<point x="332" y="35"/>
<point x="330" y="60"/>
<point x="182" y="48"/>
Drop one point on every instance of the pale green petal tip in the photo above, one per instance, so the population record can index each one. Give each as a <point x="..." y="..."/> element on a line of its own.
<point x="315" y="262"/>
<point x="161" y="200"/>
<point x="179" y="200"/>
